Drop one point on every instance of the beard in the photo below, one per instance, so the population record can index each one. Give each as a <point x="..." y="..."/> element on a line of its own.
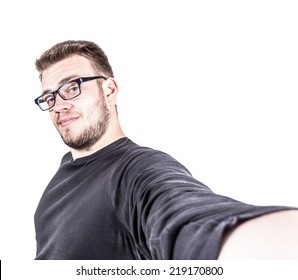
<point x="92" y="134"/>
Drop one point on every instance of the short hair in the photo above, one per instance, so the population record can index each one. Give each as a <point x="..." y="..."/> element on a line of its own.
<point x="88" y="49"/>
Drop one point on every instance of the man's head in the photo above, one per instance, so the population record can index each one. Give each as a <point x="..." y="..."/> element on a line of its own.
<point x="80" y="93"/>
<point x="87" y="49"/>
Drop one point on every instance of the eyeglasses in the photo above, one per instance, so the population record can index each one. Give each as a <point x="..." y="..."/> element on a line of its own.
<point x="67" y="91"/>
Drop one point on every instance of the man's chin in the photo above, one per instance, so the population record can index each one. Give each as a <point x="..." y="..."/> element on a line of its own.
<point x="69" y="140"/>
<point x="78" y="143"/>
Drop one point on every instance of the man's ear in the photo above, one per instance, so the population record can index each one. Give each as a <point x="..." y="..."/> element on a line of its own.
<point x="110" y="90"/>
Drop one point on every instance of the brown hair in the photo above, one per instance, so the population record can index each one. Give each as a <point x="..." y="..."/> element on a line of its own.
<point x="90" y="50"/>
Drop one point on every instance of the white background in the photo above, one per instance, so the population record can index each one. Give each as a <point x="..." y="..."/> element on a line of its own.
<point x="213" y="83"/>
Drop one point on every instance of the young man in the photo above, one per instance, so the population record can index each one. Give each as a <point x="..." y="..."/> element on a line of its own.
<point x="112" y="199"/>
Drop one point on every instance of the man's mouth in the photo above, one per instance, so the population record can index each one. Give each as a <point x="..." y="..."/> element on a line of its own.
<point x="66" y="121"/>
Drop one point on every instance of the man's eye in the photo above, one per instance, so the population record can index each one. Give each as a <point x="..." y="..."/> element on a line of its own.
<point x="48" y="99"/>
<point x="73" y="89"/>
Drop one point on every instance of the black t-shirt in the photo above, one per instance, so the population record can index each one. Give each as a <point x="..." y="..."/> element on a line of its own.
<point x="130" y="202"/>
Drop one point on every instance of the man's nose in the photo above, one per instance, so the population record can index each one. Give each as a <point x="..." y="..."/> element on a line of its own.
<point x="61" y="104"/>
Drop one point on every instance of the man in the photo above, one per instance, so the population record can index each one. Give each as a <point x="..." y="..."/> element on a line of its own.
<point x="112" y="199"/>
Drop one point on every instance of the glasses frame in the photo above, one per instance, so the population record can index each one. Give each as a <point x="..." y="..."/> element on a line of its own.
<point x="79" y="81"/>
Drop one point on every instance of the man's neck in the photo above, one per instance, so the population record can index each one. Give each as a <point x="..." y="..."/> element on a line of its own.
<point x="103" y="142"/>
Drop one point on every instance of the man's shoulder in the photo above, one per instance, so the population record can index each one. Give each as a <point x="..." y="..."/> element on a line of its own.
<point x="144" y="152"/>
<point x="143" y="158"/>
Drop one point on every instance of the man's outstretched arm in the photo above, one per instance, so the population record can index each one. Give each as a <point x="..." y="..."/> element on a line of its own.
<point x="272" y="236"/>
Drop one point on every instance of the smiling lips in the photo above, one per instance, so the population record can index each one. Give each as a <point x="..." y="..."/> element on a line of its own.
<point x="66" y="121"/>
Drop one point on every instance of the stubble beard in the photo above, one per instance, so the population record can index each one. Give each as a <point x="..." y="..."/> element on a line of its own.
<point x="92" y="134"/>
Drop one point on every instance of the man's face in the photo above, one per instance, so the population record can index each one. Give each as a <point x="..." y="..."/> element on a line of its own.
<point x="83" y="120"/>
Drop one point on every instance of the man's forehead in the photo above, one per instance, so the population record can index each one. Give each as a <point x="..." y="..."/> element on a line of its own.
<point x="67" y="64"/>
<point x="64" y="70"/>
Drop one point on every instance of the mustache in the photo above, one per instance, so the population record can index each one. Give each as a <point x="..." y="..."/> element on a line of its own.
<point x="61" y="117"/>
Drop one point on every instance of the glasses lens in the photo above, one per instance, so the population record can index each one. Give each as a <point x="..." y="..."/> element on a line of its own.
<point x="70" y="90"/>
<point x="67" y="91"/>
<point x="46" y="101"/>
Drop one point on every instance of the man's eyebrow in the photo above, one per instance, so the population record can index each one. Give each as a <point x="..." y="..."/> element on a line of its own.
<point x="61" y="82"/>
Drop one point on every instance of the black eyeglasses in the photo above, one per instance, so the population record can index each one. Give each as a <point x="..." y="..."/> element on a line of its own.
<point x="67" y="91"/>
